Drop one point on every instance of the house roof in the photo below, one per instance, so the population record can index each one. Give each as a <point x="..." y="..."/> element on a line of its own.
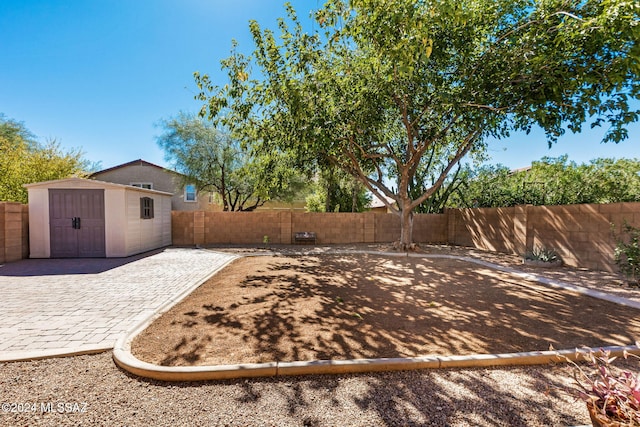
<point x="524" y="169"/>
<point x="138" y="162"/>
<point x="377" y="203"/>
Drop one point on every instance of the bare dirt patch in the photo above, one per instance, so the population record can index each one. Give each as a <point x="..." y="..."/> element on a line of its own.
<point x="267" y="308"/>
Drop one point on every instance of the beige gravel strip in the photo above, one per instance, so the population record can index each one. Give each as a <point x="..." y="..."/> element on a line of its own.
<point x="20" y="356"/>
<point x="123" y="358"/>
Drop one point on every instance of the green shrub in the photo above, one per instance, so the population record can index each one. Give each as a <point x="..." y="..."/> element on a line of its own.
<point x="627" y="252"/>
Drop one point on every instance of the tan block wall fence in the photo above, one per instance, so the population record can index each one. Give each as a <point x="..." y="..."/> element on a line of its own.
<point x="202" y="228"/>
<point x="581" y="234"/>
<point x="14" y="231"/>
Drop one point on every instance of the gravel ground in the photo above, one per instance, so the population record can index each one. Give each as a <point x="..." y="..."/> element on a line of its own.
<point x="516" y="396"/>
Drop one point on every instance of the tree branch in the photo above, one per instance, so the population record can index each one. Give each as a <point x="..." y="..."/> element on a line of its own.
<point x="376" y="187"/>
<point x="462" y="151"/>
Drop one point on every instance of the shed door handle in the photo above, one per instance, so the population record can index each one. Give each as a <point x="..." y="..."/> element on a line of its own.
<point x="75" y="223"/>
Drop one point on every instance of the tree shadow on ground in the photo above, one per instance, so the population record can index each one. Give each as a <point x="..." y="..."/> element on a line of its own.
<point x="475" y="397"/>
<point x="363" y="306"/>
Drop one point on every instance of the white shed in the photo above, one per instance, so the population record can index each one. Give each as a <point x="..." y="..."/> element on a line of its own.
<point x="83" y="218"/>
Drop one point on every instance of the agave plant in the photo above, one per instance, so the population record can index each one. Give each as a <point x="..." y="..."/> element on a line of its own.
<point x="542" y="254"/>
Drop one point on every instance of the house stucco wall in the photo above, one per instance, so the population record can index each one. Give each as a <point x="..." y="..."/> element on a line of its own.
<point x="162" y="180"/>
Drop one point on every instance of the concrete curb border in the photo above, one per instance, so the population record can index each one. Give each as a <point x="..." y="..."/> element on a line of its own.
<point x="123" y="357"/>
<point x="125" y="360"/>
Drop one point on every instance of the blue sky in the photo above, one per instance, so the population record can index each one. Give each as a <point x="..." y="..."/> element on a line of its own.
<point x="99" y="75"/>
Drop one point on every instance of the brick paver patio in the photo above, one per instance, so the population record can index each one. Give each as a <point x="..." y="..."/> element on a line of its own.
<point x="58" y="306"/>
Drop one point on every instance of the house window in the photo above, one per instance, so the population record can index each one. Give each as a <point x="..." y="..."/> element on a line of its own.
<point x="190" y="193"/>
<point x="146" y="207"/>
<point x="147" y="185"/>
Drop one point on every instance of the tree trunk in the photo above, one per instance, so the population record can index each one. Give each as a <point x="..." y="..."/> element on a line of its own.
<point x="354" y="199"/>
<point x="328" y="200"/>
<point x="223" y="190"/>
<point x="406" y="231"/>
<point x="225" y="204"/>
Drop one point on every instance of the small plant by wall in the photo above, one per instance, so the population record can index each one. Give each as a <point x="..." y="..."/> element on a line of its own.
<point x="627" y="252"/>
<point x="543" y="257"/>
<point x="542" y="254"/>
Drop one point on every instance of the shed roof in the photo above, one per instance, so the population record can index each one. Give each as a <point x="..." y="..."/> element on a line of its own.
<point x="70" y="183"/>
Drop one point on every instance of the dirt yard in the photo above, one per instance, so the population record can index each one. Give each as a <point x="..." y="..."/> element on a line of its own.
<point x="286" y="308"/>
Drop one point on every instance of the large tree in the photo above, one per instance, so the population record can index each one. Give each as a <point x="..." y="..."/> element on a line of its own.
<point x="384" y="87"/>
<point x="242" y="178"/>
<point x="23" y="160"/>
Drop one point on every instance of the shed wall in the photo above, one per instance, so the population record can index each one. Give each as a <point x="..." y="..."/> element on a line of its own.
<point x="39" y="242"/>
<point x="147" y="234"/>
